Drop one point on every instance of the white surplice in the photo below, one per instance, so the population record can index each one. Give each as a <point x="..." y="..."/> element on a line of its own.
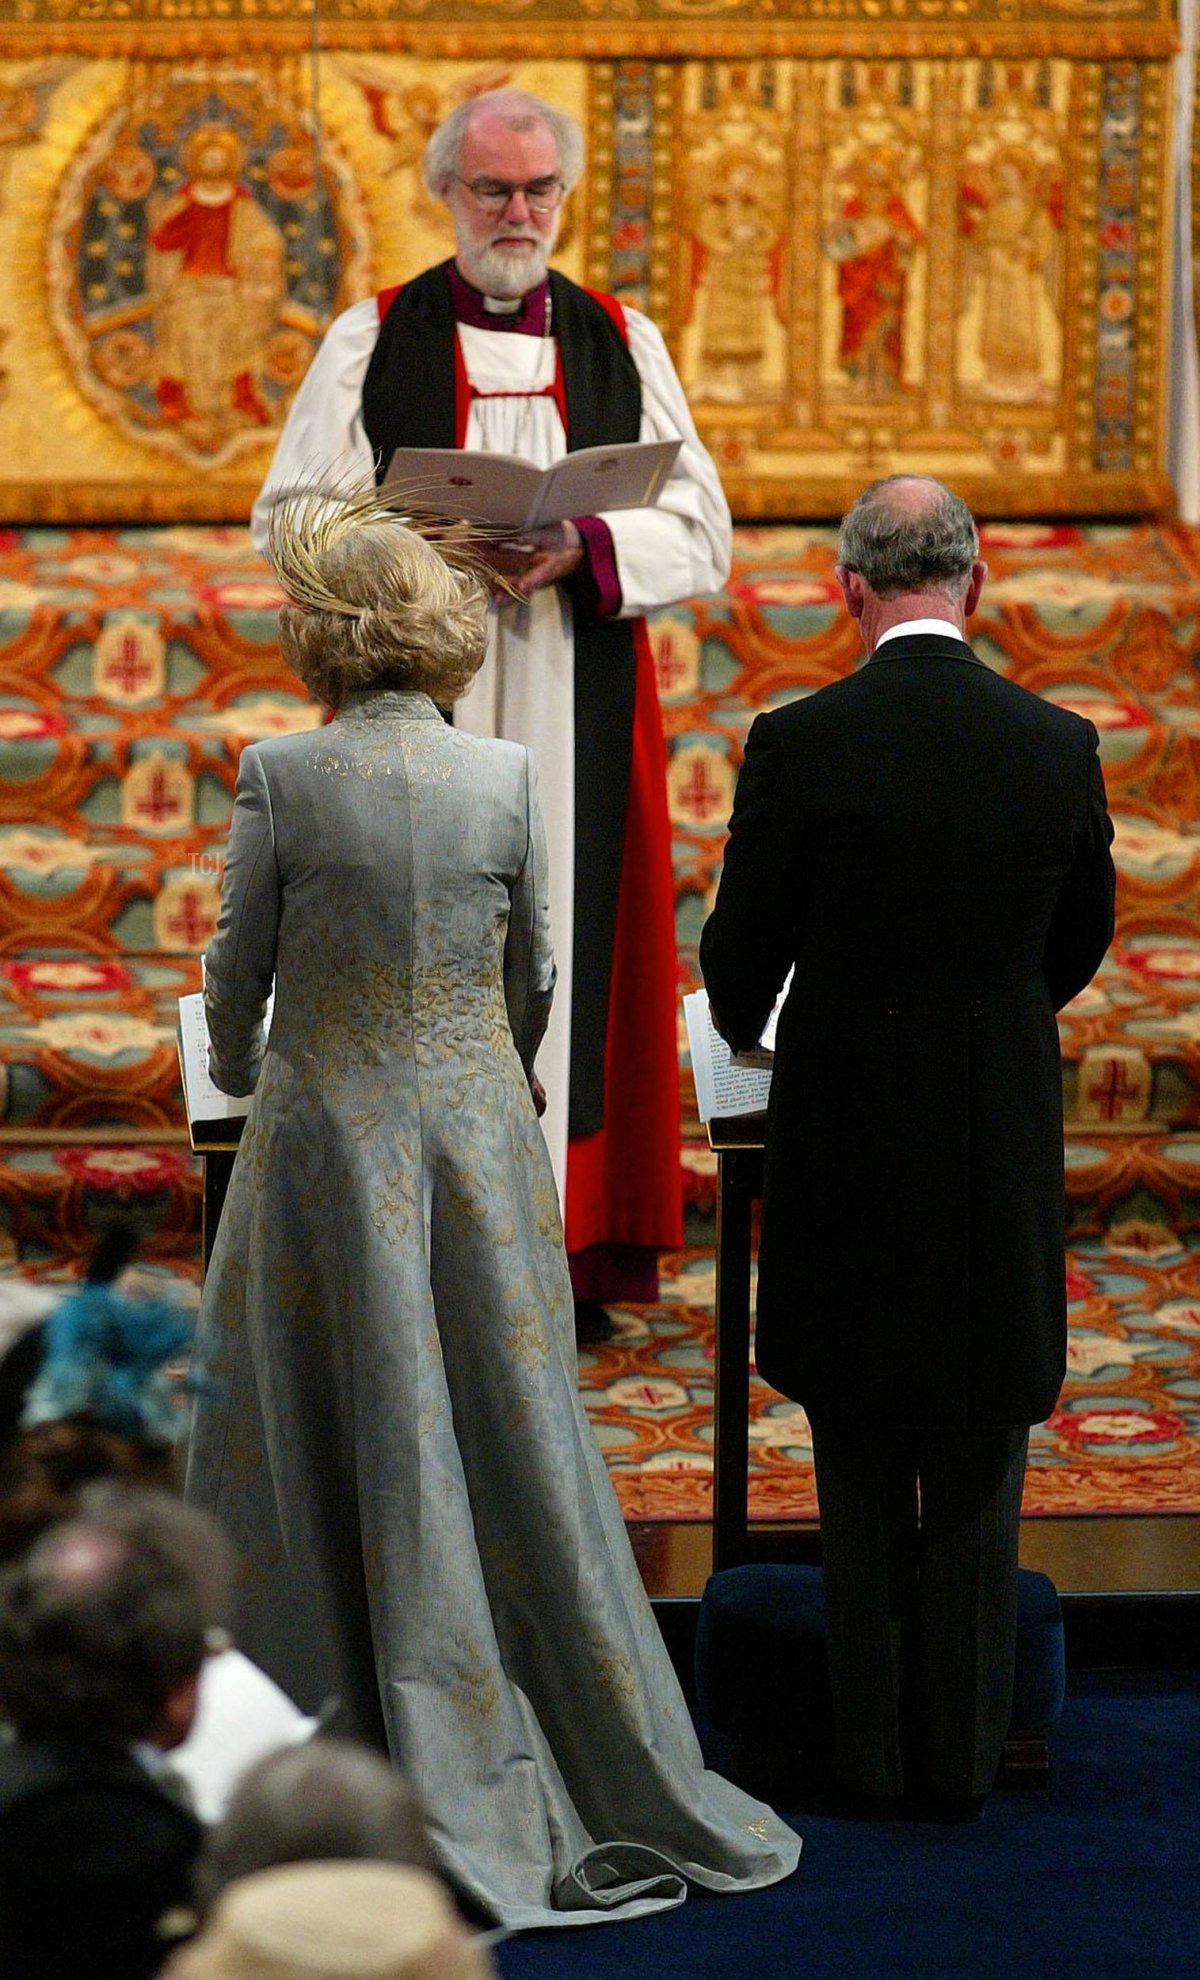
<point x="525" y="691"/>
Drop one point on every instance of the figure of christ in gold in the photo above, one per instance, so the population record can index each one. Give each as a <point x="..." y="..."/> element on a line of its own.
<point x="216" y="277"/>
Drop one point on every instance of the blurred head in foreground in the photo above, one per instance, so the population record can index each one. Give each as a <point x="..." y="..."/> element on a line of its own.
<point x="333" y="1921"/>
<point x="374" y="603"/>
<point x="327" y="1798"/>
<point x="106" y="1621"/>
<point x="87" y="1394"/>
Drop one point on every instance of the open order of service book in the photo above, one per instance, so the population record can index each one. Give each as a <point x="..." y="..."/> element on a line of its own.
<point x="509" y="493"/>
<point x="212" y="1115"/>
<point x="729" y="1085"/>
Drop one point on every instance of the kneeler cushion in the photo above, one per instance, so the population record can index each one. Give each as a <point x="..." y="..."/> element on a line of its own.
<point x="761" y="1676"/>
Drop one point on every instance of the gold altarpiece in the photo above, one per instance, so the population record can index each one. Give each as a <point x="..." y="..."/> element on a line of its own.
<point x="877" y="233"/>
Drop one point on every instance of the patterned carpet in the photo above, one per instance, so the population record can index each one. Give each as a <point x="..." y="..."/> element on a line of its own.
<point x="134" y="664"/>
<point x="1125" y="1436"/>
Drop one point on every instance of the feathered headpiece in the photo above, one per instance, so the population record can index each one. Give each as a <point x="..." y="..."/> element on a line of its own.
<point x="308" y="522"/>
<point x="105" y="1354"/>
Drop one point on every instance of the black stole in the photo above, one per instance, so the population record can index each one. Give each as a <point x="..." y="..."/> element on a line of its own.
<point x="408" y="400"/>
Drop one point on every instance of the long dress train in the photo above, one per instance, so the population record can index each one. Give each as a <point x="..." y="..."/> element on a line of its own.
<point x="395" y="1440"/>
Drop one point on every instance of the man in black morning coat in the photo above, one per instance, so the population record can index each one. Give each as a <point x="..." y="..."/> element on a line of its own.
<point x="929" y="845"/>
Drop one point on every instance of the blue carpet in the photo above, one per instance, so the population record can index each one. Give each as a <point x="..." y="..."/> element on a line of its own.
<point x="1097" y="1878"/>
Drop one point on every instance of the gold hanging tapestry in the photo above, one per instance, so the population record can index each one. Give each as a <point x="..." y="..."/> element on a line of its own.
<point x="936" y="240"/>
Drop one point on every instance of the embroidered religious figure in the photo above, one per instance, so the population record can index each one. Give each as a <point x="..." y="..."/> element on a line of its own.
<point x="873" y="245"/>
<point x="1012" y="217"/>
<point x="216" y="275"/>
<point x="737" y="254"/>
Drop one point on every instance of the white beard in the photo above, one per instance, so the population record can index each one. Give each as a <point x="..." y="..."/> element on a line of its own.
<point x="506" y="272"/>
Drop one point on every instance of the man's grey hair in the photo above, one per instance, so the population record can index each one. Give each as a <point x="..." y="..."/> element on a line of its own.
<point x="329" y="1798"/>
<point x="910" y="533"/>
<point x="521" y="112"/>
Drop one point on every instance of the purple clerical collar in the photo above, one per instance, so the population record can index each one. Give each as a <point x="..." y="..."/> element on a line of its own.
<point x="529" y="317"/>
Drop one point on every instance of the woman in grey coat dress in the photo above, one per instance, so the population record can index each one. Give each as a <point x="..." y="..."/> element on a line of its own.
<point x="396" y="1442"/>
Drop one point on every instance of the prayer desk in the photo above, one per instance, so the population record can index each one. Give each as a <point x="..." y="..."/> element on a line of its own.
<point x="216" y="1151"/>
<point x="738" y="1145"/>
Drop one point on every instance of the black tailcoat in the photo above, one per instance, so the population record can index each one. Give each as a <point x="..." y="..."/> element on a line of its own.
<point x="929" y="844"/>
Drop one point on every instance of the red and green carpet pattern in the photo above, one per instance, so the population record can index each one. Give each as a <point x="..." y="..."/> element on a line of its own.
<point x="135" y="663"/>
<point x="1124" y="1438"/>
<point x="133" y="666"/>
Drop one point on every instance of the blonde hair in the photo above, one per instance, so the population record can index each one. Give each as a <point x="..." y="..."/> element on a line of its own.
<point x="376" y="599"/>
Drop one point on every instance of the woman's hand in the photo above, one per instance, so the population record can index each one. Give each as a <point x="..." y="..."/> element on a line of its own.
<point x="539" y="1095"/>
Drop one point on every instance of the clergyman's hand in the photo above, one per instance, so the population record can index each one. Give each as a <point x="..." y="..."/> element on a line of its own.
<point x="542" y="556"/>
<point x="539" y="1096"/>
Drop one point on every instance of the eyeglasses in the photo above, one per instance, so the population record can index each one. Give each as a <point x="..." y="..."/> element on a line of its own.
<point x="541" y="195"/>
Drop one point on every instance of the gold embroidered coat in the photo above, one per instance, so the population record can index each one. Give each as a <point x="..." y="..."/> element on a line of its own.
<point x="396" y="1441"/>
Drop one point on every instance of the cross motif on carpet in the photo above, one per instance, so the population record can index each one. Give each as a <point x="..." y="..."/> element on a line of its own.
<point x="128" y="668"/>
<point x="701" y="793"/>
<point x="1114" y="1089"/>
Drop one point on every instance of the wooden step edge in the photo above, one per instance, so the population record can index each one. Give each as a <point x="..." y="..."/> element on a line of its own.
<point x="108" y="1137"/>
<point x="1074" y="1130"/>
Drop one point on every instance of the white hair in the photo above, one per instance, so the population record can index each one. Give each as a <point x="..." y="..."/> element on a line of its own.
<point x="520" y="111"/>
